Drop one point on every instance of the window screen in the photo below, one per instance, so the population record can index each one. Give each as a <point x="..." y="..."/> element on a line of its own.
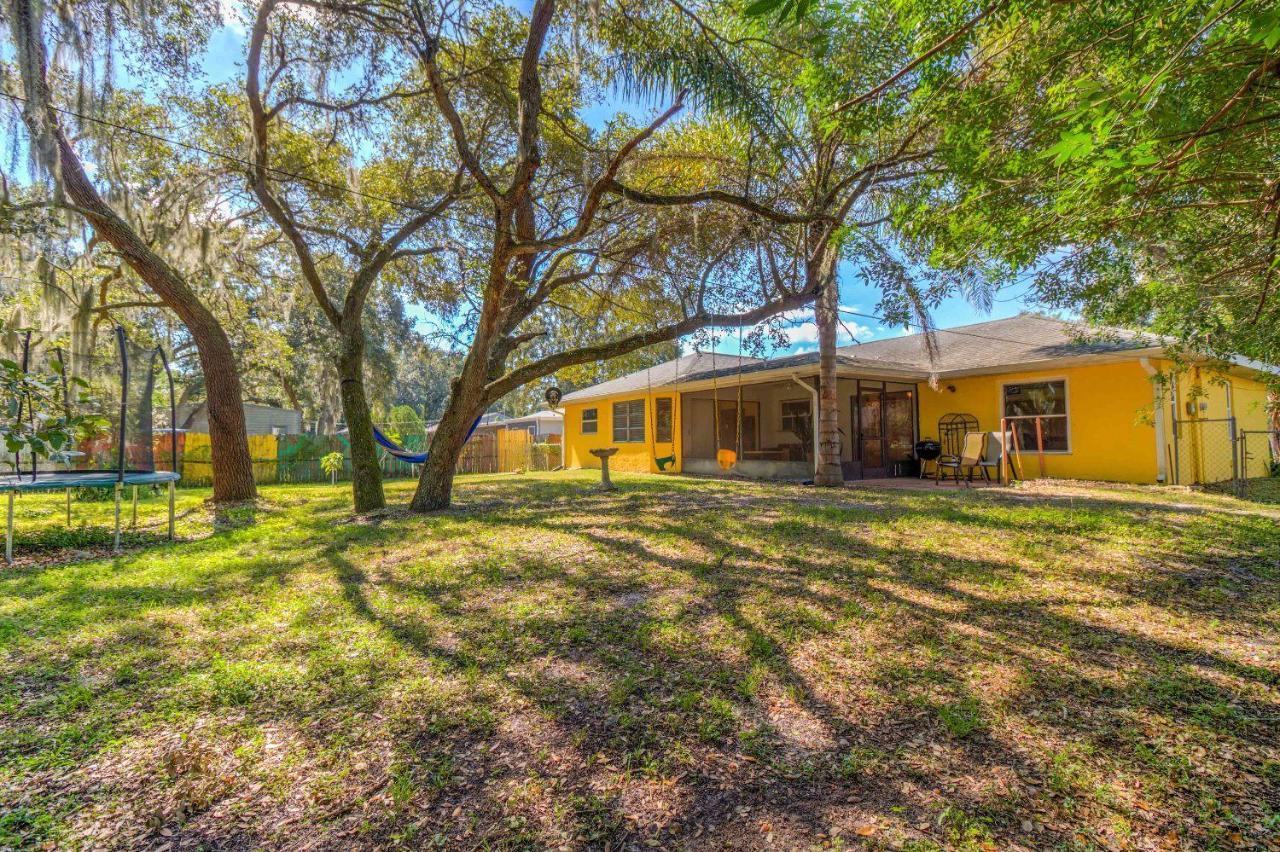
<point x="662" y="415"/>
<point x="590" y="421"/>
<point x="1047" y="400"/>
<point x="796" y="416"/>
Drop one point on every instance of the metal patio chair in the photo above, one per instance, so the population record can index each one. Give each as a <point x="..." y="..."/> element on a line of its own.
<point x="970" y="457"/>
<point x="951" y="431"/>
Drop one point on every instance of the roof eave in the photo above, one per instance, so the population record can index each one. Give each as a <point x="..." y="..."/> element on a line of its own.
<point x="1041" y="364"/>
<point x="757" y="377"/>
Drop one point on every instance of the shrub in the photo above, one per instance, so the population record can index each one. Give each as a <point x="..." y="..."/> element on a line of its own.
<point x="332" y="464"/>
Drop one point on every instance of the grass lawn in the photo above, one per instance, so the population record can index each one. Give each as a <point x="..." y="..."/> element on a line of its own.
<point x="682" y="664"/>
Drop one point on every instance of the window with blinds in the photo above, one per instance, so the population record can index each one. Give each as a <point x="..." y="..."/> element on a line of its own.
<point x="628" y="422"/>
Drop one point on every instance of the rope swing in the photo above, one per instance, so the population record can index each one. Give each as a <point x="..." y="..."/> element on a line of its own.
<point x="666" y="461"/>
<point x="728" y="458"/>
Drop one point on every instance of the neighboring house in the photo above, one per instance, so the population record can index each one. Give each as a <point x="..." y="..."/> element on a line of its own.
<point x="1103" y="413"/>
<point x="490" y="422"/>
<point x="545" y="427"/>
<point x="258" y="419"/>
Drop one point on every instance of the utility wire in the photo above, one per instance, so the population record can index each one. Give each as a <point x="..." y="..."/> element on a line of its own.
<point x="155" y="136"/>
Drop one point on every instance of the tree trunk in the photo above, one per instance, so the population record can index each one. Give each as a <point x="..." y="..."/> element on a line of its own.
<point x="229" y="444"/>
<point x="228" y="440"/>
<point x="290" y="393"/>
<point x="435" y="485"/>
<point x="828" y="471"/>
<point x="366" y="474"/>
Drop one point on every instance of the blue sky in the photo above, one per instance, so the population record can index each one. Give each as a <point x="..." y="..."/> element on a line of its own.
<point x="224" y="61"/>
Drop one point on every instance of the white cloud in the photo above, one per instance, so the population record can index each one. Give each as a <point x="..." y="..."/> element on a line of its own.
<point x="806" y="333"/>
<point x="796" y="315"/>
<point x="233" y="17"/>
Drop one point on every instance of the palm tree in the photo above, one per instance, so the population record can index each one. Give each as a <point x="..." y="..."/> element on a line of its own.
<point x="825" y="185"/>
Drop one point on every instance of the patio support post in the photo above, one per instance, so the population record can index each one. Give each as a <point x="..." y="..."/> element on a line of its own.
<point x="1005" y="474"/>
<point x="814" y="394"/>
<point x="1040" y="447"/>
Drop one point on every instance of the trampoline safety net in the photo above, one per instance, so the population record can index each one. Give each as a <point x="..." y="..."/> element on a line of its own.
<point x="126" y="388"/>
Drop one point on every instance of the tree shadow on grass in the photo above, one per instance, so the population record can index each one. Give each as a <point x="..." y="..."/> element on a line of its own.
<point x="679" y="708"/>
<point x="713" y="666"/>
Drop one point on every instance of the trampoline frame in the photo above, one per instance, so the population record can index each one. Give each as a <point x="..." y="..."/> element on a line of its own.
<point x="115" y="479"/>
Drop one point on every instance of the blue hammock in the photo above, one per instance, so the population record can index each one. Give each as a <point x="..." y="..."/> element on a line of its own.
<point x="401" y="453"/>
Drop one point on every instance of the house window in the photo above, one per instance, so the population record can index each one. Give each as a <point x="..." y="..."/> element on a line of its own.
<point x="662" y="413"/>
<point x="628" y="422"/>
<point x="796" y="417"/>
<point x="1046" y="400"/>
<point x="590" y="421"/>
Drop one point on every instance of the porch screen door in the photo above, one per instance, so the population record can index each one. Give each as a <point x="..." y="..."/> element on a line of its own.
<point x="729" y="425"/>
<point x="884" y="418"/>
<point x="871" y="429"/>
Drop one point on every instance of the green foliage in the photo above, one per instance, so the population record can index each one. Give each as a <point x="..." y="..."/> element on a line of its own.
<point x="403" y="422"/>
<point x="1119" y="155"/>
<point x="332" y="463"/>
<point x="45" y="428"/>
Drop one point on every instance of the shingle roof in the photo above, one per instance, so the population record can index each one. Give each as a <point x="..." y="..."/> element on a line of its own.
<point x="667" y="373"/>
<point x="1024" y="339"/>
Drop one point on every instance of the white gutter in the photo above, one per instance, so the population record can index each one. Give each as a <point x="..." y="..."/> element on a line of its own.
<point x="1162" y="473"/>
<point x="813" y="392"/>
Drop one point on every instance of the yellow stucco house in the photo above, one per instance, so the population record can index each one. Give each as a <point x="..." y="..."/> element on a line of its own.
<point x="1111" y="408"/>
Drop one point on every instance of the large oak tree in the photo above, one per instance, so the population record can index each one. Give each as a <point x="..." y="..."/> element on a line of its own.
<point x="75" y="191"/>
<point x="551" y="222"/>
<point x="343" y="246"/>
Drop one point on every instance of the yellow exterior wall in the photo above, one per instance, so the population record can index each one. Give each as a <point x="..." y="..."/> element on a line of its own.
<point x="1249" y="403"/>
<point x="1109" y="410"/>
<point x="634" y="457"/>
<point x="1205" y="452"/>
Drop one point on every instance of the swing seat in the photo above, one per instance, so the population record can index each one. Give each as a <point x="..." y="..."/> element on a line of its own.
<point x="665" y="462"/>
<point x="727" y="459"/>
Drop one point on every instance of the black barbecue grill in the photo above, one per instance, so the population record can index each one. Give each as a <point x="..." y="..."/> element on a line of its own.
<point x="926" y="451"/>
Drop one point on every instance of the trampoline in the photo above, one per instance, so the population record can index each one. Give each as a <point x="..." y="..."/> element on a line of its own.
<point x="123" y="389"/>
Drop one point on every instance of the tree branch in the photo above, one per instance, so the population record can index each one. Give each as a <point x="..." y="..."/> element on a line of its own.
<point x="274" y="207"/>
<point x="427" y="51"/>
<point x="612" y="349"/>
<point x="718" y="195"/>
<point x="605" y="183"/>
<point x="919" y="60"/>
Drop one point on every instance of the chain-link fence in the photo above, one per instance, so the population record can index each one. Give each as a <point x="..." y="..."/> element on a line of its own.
<point x="1204" y="451"/>
<point x="292" y="459"/>
<point x="1216" y="454"/>
<point x="1259" y="454"/>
